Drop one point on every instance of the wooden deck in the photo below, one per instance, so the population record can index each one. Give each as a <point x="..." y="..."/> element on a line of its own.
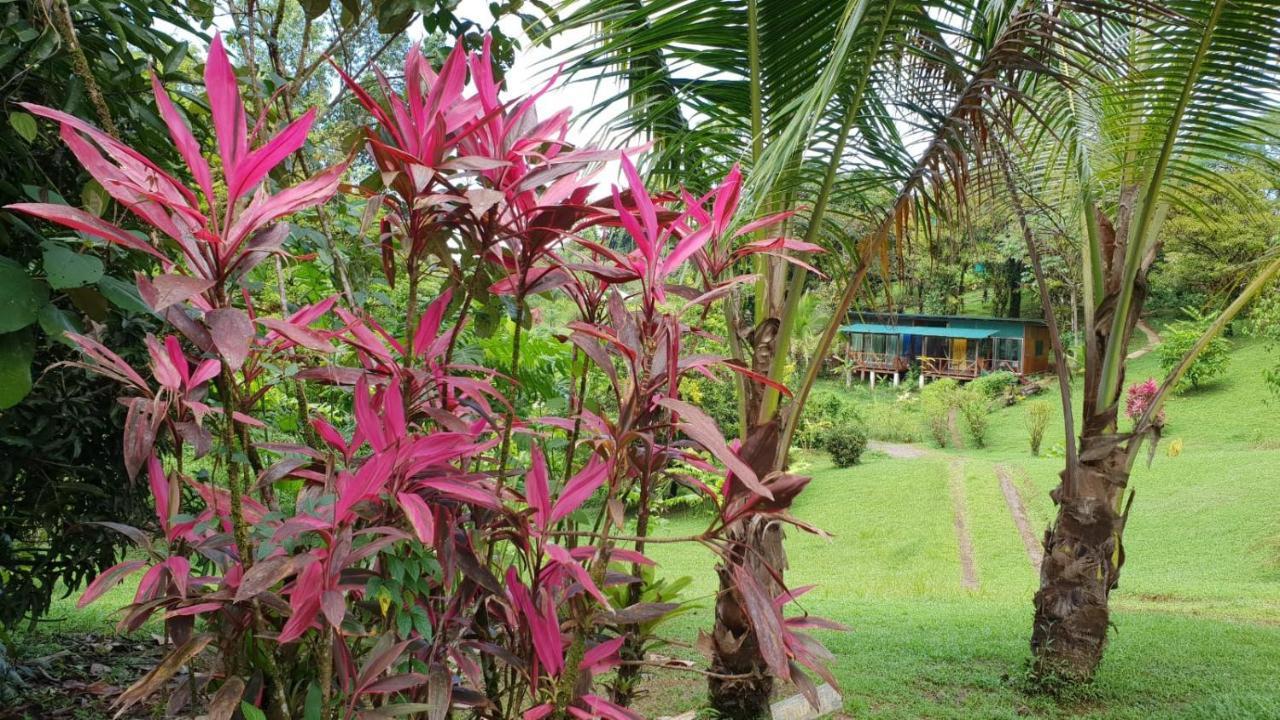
<point x="965" y="369"/>
<point x="879" y="362"/>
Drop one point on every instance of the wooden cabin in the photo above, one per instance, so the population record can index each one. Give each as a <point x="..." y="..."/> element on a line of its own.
<point x="944" y="346"/>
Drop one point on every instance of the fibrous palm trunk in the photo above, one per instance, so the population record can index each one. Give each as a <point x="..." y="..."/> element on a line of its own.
<point x="741" y="684"/>
<point x="1082" y="560"/>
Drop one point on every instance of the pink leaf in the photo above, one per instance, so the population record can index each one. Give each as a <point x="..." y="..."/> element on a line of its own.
<point x="261" y="161"/>
<point x="581" y="486"/>
<point x="180" y="571"/>
<point x="231" y="332"/>
<point x="565" y="560"/>
<point x="536" y="489"/>
<point x="765" y="618"/>
<point x="607" y="710"/>
<point x="602" y="656"/>
<point x="205" y="371"/>
<point x="162" y="366"/>
<point x="226" y="108"/>
<point x="702" y="429"/>
<point x="306" y="337"/>
<point x="420" y="517"/>
<point x="109" y="578"/>
<point x="333" y="607"/>
<point x="538" y="712"/>
<point x="368" y="423"/>
<point x="183" y="140"/>
<point x="172" y="288"/>
<point x="78" y="219"/>
<point x="159" y="490"/>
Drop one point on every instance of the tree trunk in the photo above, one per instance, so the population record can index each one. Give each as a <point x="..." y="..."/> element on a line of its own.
<point x="1013" y="276"/>
<point x="742" y="685"/>
<point x="1082" y="560"/>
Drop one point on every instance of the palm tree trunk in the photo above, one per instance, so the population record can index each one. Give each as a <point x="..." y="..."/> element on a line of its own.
<point x="741" y="685"/>
<point x="1082" y="560"/>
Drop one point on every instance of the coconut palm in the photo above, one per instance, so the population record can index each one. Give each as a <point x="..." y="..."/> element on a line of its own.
<point x="1192" y="96"/>
<point x="889" y="102"/>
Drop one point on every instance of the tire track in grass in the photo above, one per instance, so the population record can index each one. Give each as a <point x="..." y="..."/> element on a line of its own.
<point x="1035" y="553"/>
<point x="959" y="516"/>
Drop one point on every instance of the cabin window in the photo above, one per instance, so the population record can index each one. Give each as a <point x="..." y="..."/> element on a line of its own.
<point x="1039" y="348"/>
<point x="1008" y="349"/>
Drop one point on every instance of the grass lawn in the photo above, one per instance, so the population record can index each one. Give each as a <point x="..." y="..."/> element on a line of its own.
<point x="1197" y="614"/>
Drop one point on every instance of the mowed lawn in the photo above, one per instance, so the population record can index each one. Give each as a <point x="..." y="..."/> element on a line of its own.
<point x="1197" y="613"/>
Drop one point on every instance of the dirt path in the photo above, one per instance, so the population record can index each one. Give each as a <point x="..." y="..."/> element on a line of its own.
<point x="959" y="515"/>
<point x="900" y="451"/>
<point x="1153" y="339"/>
<point x="1035" y="553"/>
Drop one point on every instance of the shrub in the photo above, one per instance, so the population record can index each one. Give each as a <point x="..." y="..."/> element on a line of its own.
<point x="975" y="410"/>
<point x="937" y="401"/>
<point x="845" y="443"/>
<point x="1139" y="397"/>
<point x="1037" y="421"/>
<point x="993" y="385"/>
<point x="1180" y="337"/>
<point x="893" y="422"/>
<point x="354" y="567"/>
<point x="825" y="411"/>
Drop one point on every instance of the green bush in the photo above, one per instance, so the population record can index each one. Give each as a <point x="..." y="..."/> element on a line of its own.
<point x="975" y="410"/>
<point x="845" y="443"/>
<point x="993" y="385"/>
<point x="825" y="411"/>
<point x="1037" y="421"/>
<point x="893" y="422"/>
<point x="717" y="398"/>
<point x="937" y="401"/>
<point x="1180" y="337"/>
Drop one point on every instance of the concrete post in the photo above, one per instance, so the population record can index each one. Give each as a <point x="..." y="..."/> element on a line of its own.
<point x="922" y="380"/>
<point x="873" y="379"/>
<point x="895" y="379"/>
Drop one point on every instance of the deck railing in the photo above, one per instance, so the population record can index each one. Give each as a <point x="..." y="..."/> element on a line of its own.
<point x="862" y="360"/>
<point x="953" y="367"/>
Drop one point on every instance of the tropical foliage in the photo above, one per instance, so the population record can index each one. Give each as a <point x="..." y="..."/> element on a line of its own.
<point x="438" y="522"/>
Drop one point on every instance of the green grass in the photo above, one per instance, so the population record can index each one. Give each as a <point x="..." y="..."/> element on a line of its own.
<point x="1197" y="613"/>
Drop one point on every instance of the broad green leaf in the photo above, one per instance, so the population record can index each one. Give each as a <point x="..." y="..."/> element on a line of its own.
<point x="24" y="124"/>
<point x="315" y="8"/>
<point x="68" y="269"/>
<point x="251" y="713"/>
<point x="17" y="349"/>
<point x="123" y="295"/>
<point x="56" y="323"/>
<point x="94" y="198"/>
<point x="21" y="297"/>
<point x="311" y="708"/>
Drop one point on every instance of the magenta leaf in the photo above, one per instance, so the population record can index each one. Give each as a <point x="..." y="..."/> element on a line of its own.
<point x="581" y="486"/>
<point x="765" y="619"/>
<point x="231" y="332"/>
<point x="109" y="578"/>
<point x="702" y="429"/>
<point x="420" y="517"/>
<point x="536" y="488"/>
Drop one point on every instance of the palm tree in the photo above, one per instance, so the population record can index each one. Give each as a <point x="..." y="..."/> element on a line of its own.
<point x="1192" y="95"/>
<point x="862" y="98"/>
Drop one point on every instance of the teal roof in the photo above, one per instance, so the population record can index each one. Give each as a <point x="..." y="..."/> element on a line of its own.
<point x="948" y="332"/>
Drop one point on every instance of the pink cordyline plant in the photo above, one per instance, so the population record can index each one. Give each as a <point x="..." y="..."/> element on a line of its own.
<point x="428" y="557"/>
<point x="1139" y="397"/>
